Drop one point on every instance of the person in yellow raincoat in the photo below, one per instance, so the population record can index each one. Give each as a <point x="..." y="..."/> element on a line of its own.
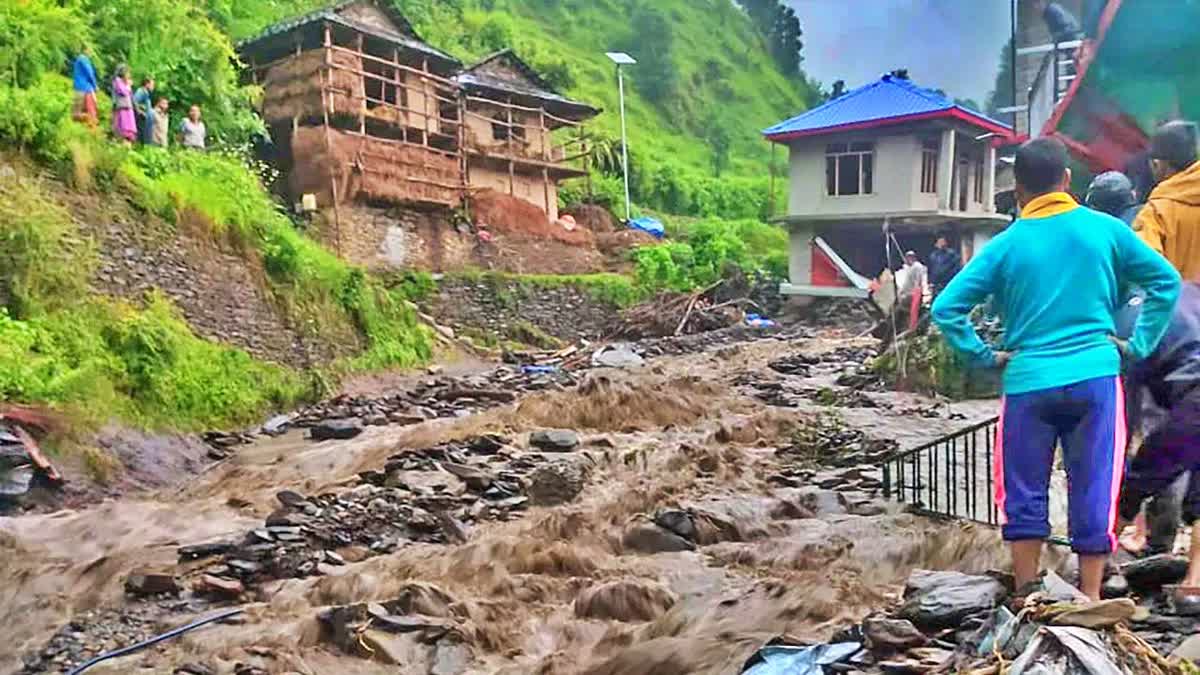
<point x="1170" y="221"/>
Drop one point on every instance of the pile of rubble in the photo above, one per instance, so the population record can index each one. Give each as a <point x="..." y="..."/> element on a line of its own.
<point x="437" y="396"/>
<point x="90" y="634"/>
<point x="431" y="495"/>
<point x="950" y="622"/>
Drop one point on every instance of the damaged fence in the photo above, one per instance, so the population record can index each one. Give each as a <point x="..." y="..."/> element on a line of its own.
<point x="951" y="476"/>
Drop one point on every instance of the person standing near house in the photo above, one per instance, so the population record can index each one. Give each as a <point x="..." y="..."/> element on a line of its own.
<point x="124" y="123"/>
<point x="1063" y="25"/>
<point x="160" y="135"/>
<point x="1112" y="192"/>
<point x="1170" y="221"/>
<point x="143" y="106"/>
<point x="1171" y="379"/>
<point x="944" y="263"/>
<point x="1055" y="275"/>
<point x="83" y="75"/>
<point x="192" y="132"/>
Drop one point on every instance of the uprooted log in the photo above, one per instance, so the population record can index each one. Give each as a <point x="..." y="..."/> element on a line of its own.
<point x="671" y="314"/>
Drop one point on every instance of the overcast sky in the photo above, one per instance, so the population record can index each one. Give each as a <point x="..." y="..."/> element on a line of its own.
<point x="952" y="45"/>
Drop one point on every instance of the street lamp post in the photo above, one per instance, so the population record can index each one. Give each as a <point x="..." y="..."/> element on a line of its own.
<point x="623" y="59"/>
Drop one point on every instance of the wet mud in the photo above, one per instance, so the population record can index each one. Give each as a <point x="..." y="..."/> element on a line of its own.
<point x="677" y="535"/>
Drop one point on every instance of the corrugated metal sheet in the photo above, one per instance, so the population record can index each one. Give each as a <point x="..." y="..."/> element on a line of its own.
<point x="885" y="99"/>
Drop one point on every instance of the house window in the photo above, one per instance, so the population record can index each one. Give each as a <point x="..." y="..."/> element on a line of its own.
<point x="849" y="168"/>
<point x="979" y="180"/>
<point x="930" y="148"/>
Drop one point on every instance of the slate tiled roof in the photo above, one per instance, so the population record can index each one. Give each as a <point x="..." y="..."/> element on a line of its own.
<point x="407" y="37"/>
<point x="536" y="87"/>
<point x="889" y="100"/>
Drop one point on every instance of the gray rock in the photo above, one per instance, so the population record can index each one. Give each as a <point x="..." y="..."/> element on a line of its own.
<point x="821" y="502"/>
<point x="679" y="522"/>
<point x="892" y="634"/>
<point x="343" y="429"/>
<point x="942" y="599"/>
<point x="645" y="537"/>
<point x="291" y="498"/>
<point x="554" y="440"/>
<point x="557" y="482"/>
<point x="1151" y="574"/>
<point x="16" y="482"/>
<point x="475" y="479"/>
<point x="1115" y="586"/>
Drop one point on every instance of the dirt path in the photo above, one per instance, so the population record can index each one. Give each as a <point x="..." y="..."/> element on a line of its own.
<point x="588" y="586"/>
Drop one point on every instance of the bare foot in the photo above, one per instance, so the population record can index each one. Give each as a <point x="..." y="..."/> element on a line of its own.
<point x="1135" y="541"/>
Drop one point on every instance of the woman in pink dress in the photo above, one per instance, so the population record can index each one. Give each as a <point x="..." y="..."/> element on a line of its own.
<point x="124" y="122"/>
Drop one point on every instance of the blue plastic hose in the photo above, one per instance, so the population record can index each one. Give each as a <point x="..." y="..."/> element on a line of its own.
<point x="155" y="640"/>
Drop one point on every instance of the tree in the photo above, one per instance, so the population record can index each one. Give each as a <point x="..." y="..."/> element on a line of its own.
<point x="655" y="76"/>
<point x="1001" y="95"/>
<point x="785" y="40"/>
<point x="720" y="142"/>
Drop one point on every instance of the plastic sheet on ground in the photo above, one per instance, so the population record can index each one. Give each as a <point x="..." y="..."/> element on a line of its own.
<point x="756" y="321"/>
<point x="619" y="355"/>
<point x="786" y="660"/>
<point x="1066" y="650"/>
<point x="649" y="225"/>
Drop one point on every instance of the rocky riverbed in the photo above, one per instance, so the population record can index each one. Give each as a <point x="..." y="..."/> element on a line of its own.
<point x="668" y="518"/>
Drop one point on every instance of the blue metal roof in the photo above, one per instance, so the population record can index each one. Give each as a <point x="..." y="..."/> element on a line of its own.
<point x="887" y="100"/>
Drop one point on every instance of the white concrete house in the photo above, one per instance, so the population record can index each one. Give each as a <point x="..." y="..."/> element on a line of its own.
<point x="887" y="153"/>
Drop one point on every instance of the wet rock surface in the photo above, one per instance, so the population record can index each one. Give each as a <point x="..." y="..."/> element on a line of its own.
<point x="943" y="599"/>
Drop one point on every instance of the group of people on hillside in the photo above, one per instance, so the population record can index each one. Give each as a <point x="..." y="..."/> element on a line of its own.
<point x="137" y="116"/>
<point x="1096" y="301"/>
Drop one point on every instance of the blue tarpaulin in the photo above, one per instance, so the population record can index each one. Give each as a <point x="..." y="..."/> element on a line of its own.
<point x="648" y="224"/>
<point x="785" y="660"/>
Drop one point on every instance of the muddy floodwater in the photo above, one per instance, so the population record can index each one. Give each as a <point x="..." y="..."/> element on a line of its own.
<point x="589" y="585"/>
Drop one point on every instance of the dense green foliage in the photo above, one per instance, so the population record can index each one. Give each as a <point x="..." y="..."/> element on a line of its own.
<point x="62" y="346"/>
<point x="709" y="79"/>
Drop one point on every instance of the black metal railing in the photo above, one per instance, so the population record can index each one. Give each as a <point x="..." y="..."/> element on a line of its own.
<point x="950" y="477"/>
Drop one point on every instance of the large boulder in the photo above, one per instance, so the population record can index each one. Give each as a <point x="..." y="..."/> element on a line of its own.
<point x="935" y="600"/>
<point x="330" y="430"/>
<point x="554" y="440"/>
<point x="558" y="482"/>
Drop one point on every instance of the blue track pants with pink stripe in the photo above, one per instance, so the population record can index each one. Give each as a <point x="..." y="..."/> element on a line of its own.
<point x="1088" y="419"/>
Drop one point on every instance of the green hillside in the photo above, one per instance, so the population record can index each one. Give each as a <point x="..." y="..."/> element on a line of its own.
<point x="711" y="77"/>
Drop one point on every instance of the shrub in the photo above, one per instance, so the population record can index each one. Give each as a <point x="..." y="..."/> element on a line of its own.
<point x="37" y="37"/>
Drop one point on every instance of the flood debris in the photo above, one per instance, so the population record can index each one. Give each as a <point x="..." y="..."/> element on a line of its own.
<point x="151" y="582"/>
<point x="783" y="659"/>
<point x="418" y="626"/>
<point x="23" y="466"/>
<point x="827" y="439"/>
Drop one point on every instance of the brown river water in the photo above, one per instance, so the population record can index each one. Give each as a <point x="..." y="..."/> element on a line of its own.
<point x="557" y="591"/>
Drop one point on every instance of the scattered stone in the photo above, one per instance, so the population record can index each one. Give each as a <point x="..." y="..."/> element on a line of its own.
<point x="943" y="599"/>
<point x="333" y="558"/>
<point x="558" y="482"/>
<point x="554" y="440"/>
<point x="646" y="537"/>
<point x="343" y="429"/>
<point x="475" y="479"/>
<point x="679" y="522"/>
<point x="291" y="499"/>
<point x="197" y="551"/>
<point x="1152" y="573"/>
<point x="1115" y="586"/>
<point x="148" y="582"/>
<point x="212" y="585"/>
<point x="194" y="669"/>
<point x="487" y="445"/>
<point x="892" y="635"/>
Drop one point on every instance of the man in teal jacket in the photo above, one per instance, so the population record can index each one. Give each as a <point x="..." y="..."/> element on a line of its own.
<point x="1055" y="276"/>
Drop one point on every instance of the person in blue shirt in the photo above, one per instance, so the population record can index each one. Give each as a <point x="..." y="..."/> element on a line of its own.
<point x="143" y="106"/>
<point x="83" y="75"/>
<point x="1055" y="276"/>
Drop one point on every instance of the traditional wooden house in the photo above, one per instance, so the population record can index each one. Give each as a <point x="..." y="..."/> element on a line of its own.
<point x="510" y="116"/>
<point x="360" y="107"/>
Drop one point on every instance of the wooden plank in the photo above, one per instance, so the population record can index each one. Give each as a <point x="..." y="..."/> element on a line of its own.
<point x="424" y="73"/>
